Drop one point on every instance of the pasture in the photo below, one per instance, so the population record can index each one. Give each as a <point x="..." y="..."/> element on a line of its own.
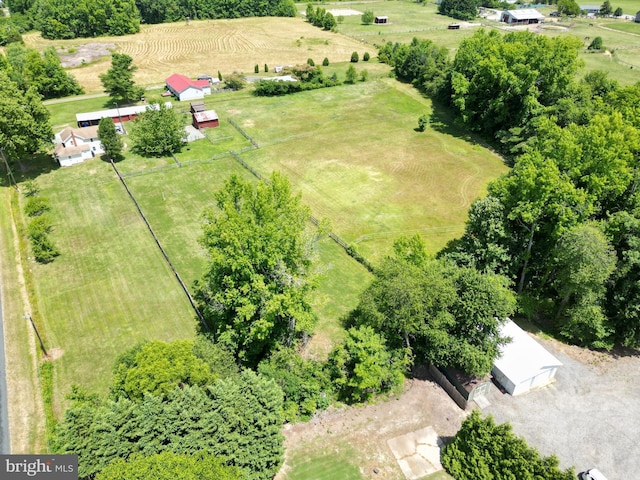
<point x="209" y="46"/>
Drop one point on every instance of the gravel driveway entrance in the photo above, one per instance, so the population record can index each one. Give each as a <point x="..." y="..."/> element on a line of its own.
<point x="590" y="417"/>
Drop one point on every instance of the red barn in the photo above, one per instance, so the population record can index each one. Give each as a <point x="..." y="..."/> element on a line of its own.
<point x="205" y="119"/>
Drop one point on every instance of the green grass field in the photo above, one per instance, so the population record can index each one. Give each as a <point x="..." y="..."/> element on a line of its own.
<point x="329" y="467"/>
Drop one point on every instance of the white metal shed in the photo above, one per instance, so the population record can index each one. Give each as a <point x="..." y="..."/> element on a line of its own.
<point x="523" y="364"/>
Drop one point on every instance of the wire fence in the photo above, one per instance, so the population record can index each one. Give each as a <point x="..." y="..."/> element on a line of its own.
<point x="162" y="250"/>
<point x="242" y="132"/>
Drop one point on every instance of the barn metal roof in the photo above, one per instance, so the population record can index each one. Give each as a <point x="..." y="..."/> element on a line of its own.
<point x="526" y="14"/>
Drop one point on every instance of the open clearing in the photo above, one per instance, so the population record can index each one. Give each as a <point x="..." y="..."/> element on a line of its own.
<point x="209" y="46"/>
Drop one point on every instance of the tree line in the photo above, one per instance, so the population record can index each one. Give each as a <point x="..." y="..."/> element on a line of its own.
<point x="563" y="224"/>
<point x="63" y="19"/>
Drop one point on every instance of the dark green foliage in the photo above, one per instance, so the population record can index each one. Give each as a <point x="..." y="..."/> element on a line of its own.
<point x="362" y="366"/>
<point x="266" y="68"/>
<point x="158" y="132"/>
<point x="58" y="19"/>
<point x="568" y="7"/>
<point x="422" y="63"/>
<point x="482" y="449"/>
<point x="36" y="206"/>
<point x="454" y="325"/>
<point x="460" y="9"/>
<point x="305" y="384"/>
<point x="596" y="44"/>
<point x="256" y="68"/>
<point x="309" y="77"/>
<point x="9" y="32"/>
<point x="44" y="251"/>
<point x="255" y="293"/>
<point x="25" y="128"/>
<point x="118" y="81"/>
<point x="367" y="17"/>
<point x="366" y="57"/>
<point x="606" y="9"/>
<point x="310" y="62"/>
<point x="170" y="466"/>
<point x="364" y="75"/>
<point x="109" y="138"/>
<point x="238" y="420"/>
<point x="320" y="17"/>
<point x="325" y="62"/>
<point x="423" y="123"/>
<point x="30" y="188"/>
<point x="618" y="12"/>
<point x="234" y="82"/>
<point x="38" y="226"/>
<point x="355" y="57"/>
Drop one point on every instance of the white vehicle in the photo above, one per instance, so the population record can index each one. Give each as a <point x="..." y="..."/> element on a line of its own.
<point x="592" y="474"/>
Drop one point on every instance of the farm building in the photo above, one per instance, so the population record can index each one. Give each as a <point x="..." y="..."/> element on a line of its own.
<point x="523" y="16"/>
<point x="637" y="20"/>
<point x="523" y="364"/>
<point x="186" y="89"/>
<point x="590" y="9"/>
<point x="197" y="107"/>
<point x="118" y="115"/>
<point x="75" y="145"/>
<point x="381" y="20"/>
<point x="205" y="119"/>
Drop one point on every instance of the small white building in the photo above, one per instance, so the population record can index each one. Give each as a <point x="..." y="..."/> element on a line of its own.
<point x="523" y="363"/>
<point x="75" y="145"/>
<point x="186" y="89"/>
<point x="522" y="16"/>
<point x="590" y="9"/>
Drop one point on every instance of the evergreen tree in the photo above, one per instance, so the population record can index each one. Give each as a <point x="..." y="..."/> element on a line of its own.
<point x="118" y="81"/>
<point x="109" y="138"/>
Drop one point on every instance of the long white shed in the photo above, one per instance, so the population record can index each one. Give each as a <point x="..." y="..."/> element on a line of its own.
<point x="523" y="364"/>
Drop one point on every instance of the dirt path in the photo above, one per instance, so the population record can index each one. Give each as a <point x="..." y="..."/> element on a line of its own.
<point x="365" y="430"/>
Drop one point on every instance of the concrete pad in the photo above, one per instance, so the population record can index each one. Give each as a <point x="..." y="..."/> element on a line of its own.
<point x="417" y="453"/>
<point x="481" y="401"/>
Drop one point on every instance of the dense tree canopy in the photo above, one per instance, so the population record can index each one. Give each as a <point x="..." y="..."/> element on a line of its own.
<point x="162" y="402"/>
<point x="460" y="9"/>
<point x="158" y="132"/>
<point x="24" y="122"/>
<point x="255" y="293"/>
<point x="482" y="449"/>
<point x="447" y="315"/>
<point x="109" y="138"/>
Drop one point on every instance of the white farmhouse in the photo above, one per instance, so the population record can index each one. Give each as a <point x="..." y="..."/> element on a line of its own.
<point x="75" y="145"/>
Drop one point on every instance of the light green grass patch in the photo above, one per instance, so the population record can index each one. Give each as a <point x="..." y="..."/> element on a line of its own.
<point x="323" y="467"/>
<point x="110" y="287"/>
<point x="441" y="475"/>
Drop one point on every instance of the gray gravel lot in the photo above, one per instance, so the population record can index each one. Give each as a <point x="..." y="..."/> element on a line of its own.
<point x="590" y="417"/>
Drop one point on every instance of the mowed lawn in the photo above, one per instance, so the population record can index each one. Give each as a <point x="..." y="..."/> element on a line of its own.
<point x="355" y="155"/>
<point x="109" y="288"/>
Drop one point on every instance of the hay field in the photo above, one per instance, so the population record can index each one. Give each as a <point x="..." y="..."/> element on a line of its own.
<point x="209" y="46"/>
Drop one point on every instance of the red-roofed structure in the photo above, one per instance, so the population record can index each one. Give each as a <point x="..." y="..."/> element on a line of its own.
<point x="186" y="89"/>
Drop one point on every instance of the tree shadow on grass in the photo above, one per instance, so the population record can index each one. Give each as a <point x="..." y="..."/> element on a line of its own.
<point x="28" y="168"/>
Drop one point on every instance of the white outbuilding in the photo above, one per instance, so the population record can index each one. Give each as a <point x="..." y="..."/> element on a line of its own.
<point x="523" y="363"/>
<point x="522" y="16"/>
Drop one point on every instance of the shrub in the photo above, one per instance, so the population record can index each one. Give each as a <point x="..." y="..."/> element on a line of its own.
<point x="366" y="57"/>
<point x="367" y="17"/>
<point x="310" y="62"/>
<point x="266" y="68"/>
<point x="235" y="82"/>
<point x="354" y="57"/>
<point x="44" y="251"/>
<point x="36" y="206"/>
<point x="325" y="62"/>
<point x="596" y="44"/>
<point x="423" y="123"/>
<point x="30" y="188"/>
<point x="364" y="75"/>
<point x="256" y="68"/>
<point x="38" y="226"/>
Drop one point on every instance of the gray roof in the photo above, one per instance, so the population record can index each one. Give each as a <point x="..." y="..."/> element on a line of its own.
<point x="525" y="14"/>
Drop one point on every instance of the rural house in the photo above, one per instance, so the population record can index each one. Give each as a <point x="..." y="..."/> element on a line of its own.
<point x="381" y="20"/>
<point x="590" y="10"/>
<point x="186" y="89"/>
<point x="75" y="145"/>
<point x="523" y="363"/>
<point x="523" y="16"/>
<point x="119" y="115"/>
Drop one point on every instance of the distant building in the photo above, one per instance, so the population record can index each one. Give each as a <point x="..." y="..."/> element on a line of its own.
<point x="522" y="16"/>
<point x="75" y="145"/>
<point x="637" y="20"/>
<point x="186" y="89"/>
<point x="590" y="9"/>
<point x="381" y="20"/>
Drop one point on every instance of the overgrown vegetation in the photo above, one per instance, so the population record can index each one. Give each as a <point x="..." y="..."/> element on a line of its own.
<point x="39" y="227"/>
<point x="482" y="449"/>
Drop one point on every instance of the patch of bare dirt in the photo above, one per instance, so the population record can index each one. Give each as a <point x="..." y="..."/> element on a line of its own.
<point x="364" y="430"/>
<point x="83" y="54"/>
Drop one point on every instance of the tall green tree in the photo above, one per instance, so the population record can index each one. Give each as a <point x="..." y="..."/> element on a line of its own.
<point x="568" y="7"/>
<point x="25" y="128"/>
<point x="255" y="293"/>
<point x="171" y="466"/>
<point x="482" y="449"/>
<point x="118" y="81"/>
<point x="460" y="9"/>
<point x="606" y="9"/>
<point x="367" y="17"/>
<point x="109" y="138"/>
<point x="158" y="132"/>
<point x="362" y="365"/>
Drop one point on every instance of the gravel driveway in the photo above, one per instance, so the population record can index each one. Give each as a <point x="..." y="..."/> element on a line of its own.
<point x="590" y="417"/>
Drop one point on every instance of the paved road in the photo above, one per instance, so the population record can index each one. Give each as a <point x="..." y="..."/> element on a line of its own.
<point x="5" y="444"/>
<point x="589" y="417"/>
